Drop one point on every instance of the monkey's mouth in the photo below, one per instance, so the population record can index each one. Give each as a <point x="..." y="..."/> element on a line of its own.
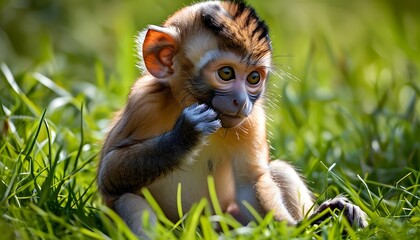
<point x="230" y="121"/>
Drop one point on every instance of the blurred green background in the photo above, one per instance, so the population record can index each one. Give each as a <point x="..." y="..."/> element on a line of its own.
<point x="345" y="92"/>
<point x="346" y="72"/>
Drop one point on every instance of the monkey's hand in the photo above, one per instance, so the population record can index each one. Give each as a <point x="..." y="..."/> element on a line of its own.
<point x="197" y="122"/>
<point x="355" y="216"/>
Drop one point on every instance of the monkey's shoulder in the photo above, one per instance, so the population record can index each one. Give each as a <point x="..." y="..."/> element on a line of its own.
<point x="151" y="110"/>
<point x="148" y="90"/>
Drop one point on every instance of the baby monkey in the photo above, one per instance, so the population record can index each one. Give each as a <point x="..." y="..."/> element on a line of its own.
<point x="198" y="110"/>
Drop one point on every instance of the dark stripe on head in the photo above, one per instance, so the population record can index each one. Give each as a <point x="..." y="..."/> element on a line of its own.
<point x="211" y="21"/>
<point x="239" y="27"/>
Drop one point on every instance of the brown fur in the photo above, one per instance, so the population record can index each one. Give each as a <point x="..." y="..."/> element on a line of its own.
<point x="155" y="142"/>
<point x="151" y="99"/>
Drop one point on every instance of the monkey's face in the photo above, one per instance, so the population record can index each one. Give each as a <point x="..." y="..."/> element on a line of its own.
<point x="217" y="53"/>
<point x="235" y="86"/>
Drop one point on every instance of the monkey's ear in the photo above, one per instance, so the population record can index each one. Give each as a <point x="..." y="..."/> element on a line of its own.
<point x="159" y="48"/>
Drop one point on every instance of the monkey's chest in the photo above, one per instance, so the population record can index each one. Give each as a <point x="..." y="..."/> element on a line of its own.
<point x="192" y="180"/>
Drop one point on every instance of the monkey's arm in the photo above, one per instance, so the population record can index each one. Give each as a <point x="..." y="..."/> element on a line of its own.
<point x="129" y="165"/>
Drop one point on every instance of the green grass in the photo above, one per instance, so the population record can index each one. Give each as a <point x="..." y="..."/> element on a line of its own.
<point x="344" y="108"/>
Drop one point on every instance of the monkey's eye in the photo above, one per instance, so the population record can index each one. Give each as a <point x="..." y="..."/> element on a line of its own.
<point x="254" y="78"/>
<point x="226" y="73"/>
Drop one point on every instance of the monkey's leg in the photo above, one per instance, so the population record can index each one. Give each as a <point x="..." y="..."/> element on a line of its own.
<point x="298" y="199"/>
<point x="354" y="214"/>
<point x="295" y="195"/>
<point x="130" y="207"/>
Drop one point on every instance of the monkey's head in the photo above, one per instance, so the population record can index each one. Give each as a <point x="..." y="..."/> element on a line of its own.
<point x="217" y="53"/>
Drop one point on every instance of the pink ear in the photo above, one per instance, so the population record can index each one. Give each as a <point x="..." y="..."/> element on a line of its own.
<point x="159" y="48"/>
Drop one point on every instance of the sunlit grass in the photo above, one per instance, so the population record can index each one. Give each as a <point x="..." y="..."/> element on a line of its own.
<point x="343" y="107"/>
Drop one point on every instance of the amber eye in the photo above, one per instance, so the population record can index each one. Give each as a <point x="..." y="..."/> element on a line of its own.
<point x="226" y="73"/>
<point x="254" y="78"/>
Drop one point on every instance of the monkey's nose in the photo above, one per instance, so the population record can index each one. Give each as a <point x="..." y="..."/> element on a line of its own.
<point x="235" y="103"/>
<point x="239" y="108"/>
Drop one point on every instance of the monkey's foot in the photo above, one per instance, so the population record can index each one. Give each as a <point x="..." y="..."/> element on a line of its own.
<point x="355" y="216"/>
